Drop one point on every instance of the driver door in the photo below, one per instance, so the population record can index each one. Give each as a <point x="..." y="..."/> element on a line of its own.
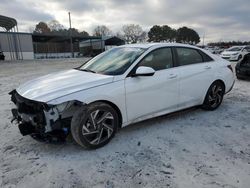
<point x="146" y="95"/>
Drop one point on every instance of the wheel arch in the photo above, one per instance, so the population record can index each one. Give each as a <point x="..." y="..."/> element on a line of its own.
<point x="222" y="82"/>
<point x="217" y="80"/>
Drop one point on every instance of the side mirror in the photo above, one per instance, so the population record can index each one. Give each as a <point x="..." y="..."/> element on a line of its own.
<point x="144" y="71"/>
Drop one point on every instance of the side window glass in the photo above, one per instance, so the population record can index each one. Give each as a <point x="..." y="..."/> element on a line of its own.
<point x="247" y="49"/>
<point x="206" y="58"/>
<point x="188" y="56"/>
<point x="158" y="59"/>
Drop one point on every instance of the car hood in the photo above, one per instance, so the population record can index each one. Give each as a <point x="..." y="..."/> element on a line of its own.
<point x="229" y="52"/>
<point x="62" y="83"/>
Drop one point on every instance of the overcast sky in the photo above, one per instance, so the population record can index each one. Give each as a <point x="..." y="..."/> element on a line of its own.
<point x="217" y="19"/>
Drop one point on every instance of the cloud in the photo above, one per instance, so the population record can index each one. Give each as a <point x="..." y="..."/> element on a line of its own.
<point x="25" y="13"/>
<point x="217" y="19"/>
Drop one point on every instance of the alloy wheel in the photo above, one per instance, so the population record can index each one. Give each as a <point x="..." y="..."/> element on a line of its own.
<point x="215" y="95"/>
<point x="99" y="127"/>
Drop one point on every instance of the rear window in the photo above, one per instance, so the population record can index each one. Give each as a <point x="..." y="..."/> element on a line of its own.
<point x="188" y="56"/>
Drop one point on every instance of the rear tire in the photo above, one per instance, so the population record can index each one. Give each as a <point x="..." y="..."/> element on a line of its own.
<point x="239" y="58"/>
<point x="95" y="125"/>
<point x="214" y="96"/>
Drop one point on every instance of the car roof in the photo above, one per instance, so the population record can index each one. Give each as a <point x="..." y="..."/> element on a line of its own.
<point x="150" y="45"/>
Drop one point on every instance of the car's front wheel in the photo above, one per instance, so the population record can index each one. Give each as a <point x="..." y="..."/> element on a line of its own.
<point x="95" y="125"/>
<point x="214" y="96"/>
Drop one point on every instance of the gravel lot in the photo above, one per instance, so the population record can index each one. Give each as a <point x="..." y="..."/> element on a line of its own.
<point x="192" y="149"/>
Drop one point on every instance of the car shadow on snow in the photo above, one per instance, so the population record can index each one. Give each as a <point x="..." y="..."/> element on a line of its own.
<point x="128" y="136"/>
<point x="125" y="133"/>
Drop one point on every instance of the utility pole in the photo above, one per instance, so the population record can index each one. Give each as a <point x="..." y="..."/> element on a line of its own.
<point x="101" y="44"/>
<point x="204" y="40"/>
<point x="70" y="34"/>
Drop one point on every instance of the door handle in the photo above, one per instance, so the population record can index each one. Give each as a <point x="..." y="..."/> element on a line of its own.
<point x="207" y="67"/>
<point x="171" y="76"/>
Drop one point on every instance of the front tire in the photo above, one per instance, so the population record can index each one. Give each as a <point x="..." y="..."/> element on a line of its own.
<point x="95" y="125"/>
<point x="214" y="96"/>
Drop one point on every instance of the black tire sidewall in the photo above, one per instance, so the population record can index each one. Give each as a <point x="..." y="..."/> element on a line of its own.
<point x="79" y="122"/>
<point x="206" y="104"/>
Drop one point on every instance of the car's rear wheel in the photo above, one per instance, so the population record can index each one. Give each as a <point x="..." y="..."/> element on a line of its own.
<point x="95" y="125"/>
<point x="214" y="96"/>
<point x="239" y="58"/>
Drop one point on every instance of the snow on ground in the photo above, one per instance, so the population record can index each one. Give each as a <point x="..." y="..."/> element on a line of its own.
<point x="192" y="149"/>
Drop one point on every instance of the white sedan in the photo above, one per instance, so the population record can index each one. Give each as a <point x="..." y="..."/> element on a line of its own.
<point x="124" y="85"/>
<point x="235" y="53"/>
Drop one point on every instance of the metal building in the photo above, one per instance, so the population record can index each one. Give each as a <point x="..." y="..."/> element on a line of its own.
<point x="18" y="46"/>
<point x="51" y="45"/>
<point x="14" y="45"/>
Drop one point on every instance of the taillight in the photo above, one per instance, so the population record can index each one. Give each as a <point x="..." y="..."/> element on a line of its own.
<point x="230" y="67"/>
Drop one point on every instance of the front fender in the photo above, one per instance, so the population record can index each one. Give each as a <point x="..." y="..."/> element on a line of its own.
<point x="113" y="92"/>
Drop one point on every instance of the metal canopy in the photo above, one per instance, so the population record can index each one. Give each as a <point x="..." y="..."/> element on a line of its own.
<point x="7" y="22"/>
<point x="113" y="41"/>
<point x="14" y="44"/>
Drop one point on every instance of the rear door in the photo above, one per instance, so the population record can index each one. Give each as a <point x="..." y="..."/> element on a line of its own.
<point x="146" y="95"/>
<point x="196" y="75"/>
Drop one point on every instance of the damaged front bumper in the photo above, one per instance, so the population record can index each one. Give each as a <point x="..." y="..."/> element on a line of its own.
<point x="42" y="121"/>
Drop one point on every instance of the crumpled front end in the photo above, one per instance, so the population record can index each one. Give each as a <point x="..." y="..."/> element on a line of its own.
<point x="42" y="121"/>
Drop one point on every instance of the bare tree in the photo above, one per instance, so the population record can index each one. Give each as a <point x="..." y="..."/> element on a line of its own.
<point x="42" y="27"/>
<point x="133" y="33"/>
<point x="102" y="30"/>
<point x="119" y="35"/>
<point x="143" y="37"/>
<point x="54" y="25"/>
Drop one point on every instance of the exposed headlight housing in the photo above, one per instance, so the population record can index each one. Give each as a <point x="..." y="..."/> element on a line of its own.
<point x="63" y="106"/>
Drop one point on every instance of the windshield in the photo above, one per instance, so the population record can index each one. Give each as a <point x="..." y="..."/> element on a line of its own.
<point x="113" y="62"/>
<point x="235" y="49"/>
